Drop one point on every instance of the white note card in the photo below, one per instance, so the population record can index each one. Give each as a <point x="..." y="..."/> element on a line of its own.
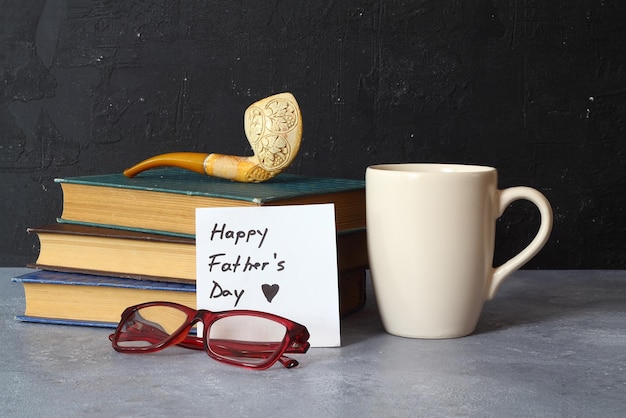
<point x="277" y="259"/>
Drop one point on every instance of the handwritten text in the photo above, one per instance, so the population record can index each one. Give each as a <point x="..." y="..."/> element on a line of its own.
<point x="222" y="232"/>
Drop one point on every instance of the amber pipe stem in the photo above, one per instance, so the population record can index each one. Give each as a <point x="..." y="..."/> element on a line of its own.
<point x="193" y="161"/>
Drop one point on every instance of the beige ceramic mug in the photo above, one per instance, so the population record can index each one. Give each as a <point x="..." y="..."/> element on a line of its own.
<point x="431" y="236"/>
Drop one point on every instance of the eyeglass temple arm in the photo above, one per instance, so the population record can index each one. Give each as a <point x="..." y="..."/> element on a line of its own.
<point x="297" y="347"/>
<point x="197" y="343"/>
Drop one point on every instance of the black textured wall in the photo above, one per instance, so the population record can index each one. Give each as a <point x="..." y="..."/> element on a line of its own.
<point x="535" y="88"/>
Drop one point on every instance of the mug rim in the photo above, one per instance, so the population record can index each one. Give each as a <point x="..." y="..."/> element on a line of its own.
<point x="432" y="168"/>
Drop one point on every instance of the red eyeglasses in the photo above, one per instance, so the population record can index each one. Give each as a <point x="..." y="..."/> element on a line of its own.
<point x="251" y="339"/>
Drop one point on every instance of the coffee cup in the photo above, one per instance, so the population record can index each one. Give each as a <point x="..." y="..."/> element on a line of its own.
<point x="431" y="239"/>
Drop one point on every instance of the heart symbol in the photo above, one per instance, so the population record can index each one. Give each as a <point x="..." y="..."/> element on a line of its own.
<point x="270" y="291"/>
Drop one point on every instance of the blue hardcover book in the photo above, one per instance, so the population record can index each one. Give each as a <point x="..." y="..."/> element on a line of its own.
<point x="91" y="300"/>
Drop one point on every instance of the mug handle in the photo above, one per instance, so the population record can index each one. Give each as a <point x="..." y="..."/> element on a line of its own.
<point x="506" y="197"/>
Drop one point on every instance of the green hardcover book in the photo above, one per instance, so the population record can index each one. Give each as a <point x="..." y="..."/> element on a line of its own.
<point x="141" y="255"/>
<point x="164" y="200"/>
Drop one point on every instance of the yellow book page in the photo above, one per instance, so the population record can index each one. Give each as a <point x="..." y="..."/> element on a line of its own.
<point x="92" y="303"/>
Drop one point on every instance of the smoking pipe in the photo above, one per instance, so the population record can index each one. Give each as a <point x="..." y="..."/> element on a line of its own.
<point x="273" y="126"/>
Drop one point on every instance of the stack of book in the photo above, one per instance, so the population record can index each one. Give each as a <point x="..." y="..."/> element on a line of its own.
<point x="121" y="241"/>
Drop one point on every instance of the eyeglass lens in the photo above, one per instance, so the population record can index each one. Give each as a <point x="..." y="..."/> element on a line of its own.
<point x="248" y="339"/>
<point x="151" y="325"/>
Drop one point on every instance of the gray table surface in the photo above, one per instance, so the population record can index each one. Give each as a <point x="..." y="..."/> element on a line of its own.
<point x="552" y="343"/>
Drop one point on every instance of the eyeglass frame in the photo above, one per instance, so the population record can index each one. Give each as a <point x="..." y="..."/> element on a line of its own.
<point x="295" y="340"/>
